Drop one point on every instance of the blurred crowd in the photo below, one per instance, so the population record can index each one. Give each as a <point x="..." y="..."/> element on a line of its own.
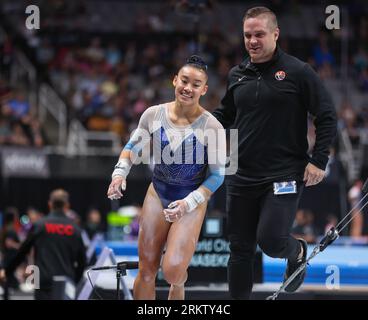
<point x="19" y="125"/>
<point x="107" y="81"/>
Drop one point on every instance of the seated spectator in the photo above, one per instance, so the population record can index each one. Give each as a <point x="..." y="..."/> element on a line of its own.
<point x="321" y="52"/>
<point x="360" y="60"/>
<point x="93" y="224"/>
<point x="45" y="52"/>
<point x="18" y="136"/>
<point x="113" y="55"/>
<point x="363" y="80"/>
<point x="94" y="52"/>
<point x="17" y="107"/>
<point x="348" y="120"/>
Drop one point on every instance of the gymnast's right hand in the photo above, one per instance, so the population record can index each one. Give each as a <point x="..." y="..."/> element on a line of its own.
<point x="116" y="188"/>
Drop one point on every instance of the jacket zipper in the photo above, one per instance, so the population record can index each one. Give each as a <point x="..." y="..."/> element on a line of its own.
<point x="257" y="91"/>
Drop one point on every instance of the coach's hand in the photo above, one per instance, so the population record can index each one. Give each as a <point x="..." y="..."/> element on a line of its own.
<point x="313" y="175"/>
<point x="116" y="188"/>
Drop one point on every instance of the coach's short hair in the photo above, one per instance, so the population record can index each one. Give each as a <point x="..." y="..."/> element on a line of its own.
<point x="58" y="199"/>
<point x="257" y="11"/>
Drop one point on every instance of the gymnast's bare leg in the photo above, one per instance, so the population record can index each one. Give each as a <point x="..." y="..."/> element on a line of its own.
<point x="181" y="244"/>
<point x="153" y="231"/>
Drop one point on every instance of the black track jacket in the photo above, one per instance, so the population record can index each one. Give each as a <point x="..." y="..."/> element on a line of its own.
<point x="58" y="249"/>
<point x="269" y="103"/>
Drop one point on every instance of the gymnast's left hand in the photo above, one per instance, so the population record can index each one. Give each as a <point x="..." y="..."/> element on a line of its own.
<point x="175" y="210"/>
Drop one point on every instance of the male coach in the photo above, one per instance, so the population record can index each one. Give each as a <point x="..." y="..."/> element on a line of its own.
<point x="268" y="99"/>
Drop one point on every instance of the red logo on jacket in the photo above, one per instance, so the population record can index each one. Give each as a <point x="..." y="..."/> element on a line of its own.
<point x="280" y="75"/>
<point x="61" y="229"/>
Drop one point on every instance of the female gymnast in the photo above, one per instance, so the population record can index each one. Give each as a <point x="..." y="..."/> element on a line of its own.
<point x="189" y="151"/>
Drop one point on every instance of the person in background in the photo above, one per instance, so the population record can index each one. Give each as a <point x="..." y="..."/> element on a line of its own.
<point x="58" y="248"/>
<point x="93" y="224"/>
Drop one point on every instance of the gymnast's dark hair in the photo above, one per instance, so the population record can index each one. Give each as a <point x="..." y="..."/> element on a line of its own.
<point x="196" y="62"/>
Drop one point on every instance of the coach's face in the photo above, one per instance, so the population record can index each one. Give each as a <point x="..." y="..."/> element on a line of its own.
<point x="260" y="38"/>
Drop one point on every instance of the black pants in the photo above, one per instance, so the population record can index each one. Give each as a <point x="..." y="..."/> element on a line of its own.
<point x="257" y="216"/>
